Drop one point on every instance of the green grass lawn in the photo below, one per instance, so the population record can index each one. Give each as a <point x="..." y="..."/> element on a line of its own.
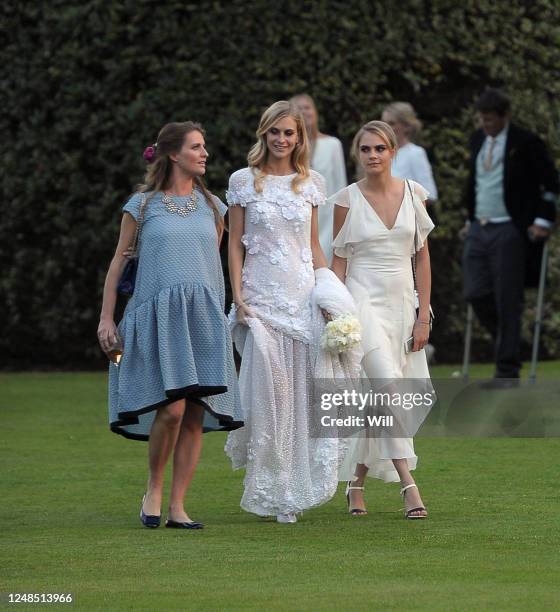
<point x="71" y="493"/>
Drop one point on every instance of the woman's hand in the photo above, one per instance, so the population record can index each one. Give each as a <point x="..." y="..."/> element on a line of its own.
<point x="107" y="335"/>
<point x="243" y="312"/>
<point x="130" y="253"/>
<point x="420" y="333"/>
<point x="327" y="315"/>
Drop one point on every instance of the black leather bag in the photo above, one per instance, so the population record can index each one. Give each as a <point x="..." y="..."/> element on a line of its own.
<point x="128" y="277"/>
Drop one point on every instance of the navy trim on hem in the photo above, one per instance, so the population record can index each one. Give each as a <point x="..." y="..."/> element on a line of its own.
<point x="193" y="393"/>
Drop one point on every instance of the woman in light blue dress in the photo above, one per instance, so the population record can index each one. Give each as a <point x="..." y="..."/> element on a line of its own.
<point x="176" y="376"/>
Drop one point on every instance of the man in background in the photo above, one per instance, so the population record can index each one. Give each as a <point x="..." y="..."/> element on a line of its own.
<point x="510" y="196"/>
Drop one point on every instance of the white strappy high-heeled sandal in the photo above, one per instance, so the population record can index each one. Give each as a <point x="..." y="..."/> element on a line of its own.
<point x="408" y="513"/>
<point x="354" y="511"/>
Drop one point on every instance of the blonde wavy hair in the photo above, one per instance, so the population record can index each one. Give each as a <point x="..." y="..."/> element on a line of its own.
<point x="379" y="128"/>
<point x="169" y="141"/>
<point x="404" y="113"/>
<point x="258" y="155"/>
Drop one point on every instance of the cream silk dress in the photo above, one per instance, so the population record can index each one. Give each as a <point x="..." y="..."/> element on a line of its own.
<point x="379" y="277"/>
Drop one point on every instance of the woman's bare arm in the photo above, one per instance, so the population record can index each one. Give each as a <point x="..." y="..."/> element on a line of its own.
<point x="236" y="258"/>
<point x="423" y="281"/>
<point x="319" y="259"/>
<point x="236" y="250"/>
<point x="421" y="331"/>
<point x="107" y="330"/>
<point x="338" y="265"/>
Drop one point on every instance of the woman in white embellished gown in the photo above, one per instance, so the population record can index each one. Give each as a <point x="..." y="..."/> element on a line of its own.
<point x="273" y="251"/>
<point x="379" y="223"/>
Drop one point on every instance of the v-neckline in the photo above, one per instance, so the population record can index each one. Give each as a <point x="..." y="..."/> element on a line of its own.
<point x="389" y="229"/>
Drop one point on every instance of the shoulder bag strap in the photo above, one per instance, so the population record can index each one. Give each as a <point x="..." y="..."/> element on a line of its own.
<point x="413" y="258"/>
<point x="140" y="223"/>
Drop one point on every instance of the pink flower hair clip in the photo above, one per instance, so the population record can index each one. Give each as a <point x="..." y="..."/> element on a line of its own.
<point x="150" y="153"/>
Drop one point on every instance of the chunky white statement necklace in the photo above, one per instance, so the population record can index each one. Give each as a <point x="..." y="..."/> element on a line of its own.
<point x="187" y="204"/>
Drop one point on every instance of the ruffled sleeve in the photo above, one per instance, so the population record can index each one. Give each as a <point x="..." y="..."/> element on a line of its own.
<point x="319" y="195"/>
<point x="419" y="190"/>
<point x="424" y="224"/>
<point x="241" y="183"/>
<point x="340" y="198"/>
<point x="341" y="244"/>
<point x="133" y="206"/>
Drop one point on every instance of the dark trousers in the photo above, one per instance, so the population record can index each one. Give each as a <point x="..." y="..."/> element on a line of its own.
<point x="494" y="275"/>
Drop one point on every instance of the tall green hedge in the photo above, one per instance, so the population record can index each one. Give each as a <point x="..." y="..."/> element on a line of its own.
<point x="87" y="84"/>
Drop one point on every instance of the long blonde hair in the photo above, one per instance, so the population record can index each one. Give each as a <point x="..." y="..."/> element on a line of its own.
<point x="404" y="113"/>
<point x="258" y="154"/>
<point x="170" y="140"/>
<point x="379" y="128"/>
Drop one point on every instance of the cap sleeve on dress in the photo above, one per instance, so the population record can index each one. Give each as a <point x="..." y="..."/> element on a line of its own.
<point x="240" y="184"/>
<point x="424" y="224"/>
<point x="133" y="206"/>
<point x="222" y="208"/>
<point x="320" y="195"/>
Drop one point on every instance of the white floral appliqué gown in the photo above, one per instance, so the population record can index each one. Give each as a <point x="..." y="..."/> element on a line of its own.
<point x="286" y="470"/>
<point x="379" y="277"/>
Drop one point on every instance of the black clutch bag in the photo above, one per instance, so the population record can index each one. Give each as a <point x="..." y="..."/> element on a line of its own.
<point x="128" y="277"/>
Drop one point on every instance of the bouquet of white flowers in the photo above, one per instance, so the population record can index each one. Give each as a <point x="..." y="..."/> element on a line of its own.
<point x="341" y="334"/>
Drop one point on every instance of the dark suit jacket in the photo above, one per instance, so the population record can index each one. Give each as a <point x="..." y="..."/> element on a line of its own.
<point x="529" y="174"/>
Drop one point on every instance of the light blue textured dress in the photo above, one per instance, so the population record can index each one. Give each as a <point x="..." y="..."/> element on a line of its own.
<point x="176" y="338"/>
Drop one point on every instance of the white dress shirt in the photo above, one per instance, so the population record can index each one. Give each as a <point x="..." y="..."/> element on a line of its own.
<point x="411" y="162"/>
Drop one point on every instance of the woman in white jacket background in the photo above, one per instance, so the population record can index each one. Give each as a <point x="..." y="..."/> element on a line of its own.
<point x="327" y="158"/>
<point x="411" y="161"/>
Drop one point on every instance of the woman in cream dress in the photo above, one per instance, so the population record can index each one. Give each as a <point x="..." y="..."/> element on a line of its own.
<point x="327" y="158"/>
<point x="379" y="223"/>
<point x="411" y="160"/>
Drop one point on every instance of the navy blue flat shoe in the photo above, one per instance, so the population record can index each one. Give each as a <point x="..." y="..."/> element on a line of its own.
<point x="184" y="525"/>
<point x="149" y="520"/>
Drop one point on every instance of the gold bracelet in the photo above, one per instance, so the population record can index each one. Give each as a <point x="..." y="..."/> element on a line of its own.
<point x="422" y="322"/>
